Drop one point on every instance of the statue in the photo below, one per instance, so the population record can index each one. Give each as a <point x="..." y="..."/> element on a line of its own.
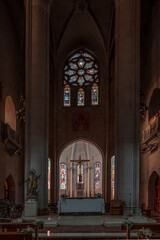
<point x="32" y="183"/>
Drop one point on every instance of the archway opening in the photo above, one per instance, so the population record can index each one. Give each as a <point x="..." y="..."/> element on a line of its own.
<point x="80" y="170"/>
<point x="157" y="194"/>
<point x="10" y="113"/>
<point x="154" y="191"/>
<point x="10" y="189"/>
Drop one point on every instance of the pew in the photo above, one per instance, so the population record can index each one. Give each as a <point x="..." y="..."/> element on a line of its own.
<point x="155" y="227"/>
<point x="17" y="227"/>
<point x="15" y="236"/>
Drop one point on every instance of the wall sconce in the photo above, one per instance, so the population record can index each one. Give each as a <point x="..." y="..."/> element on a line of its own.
<point x="20" y="114"/>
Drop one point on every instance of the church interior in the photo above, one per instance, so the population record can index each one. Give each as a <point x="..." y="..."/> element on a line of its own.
<point x="79" y="112"/>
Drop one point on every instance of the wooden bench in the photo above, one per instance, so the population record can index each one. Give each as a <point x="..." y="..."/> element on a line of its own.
<point x="15" y="236"/>
<point x="17" y="227"/>
<point x="155" y="227"/>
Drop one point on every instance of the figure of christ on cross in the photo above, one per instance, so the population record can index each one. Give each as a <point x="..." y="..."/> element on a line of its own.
<point x="80" y="161"/>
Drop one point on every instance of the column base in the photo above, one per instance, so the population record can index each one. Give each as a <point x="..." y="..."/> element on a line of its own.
<point x="132" y="211"/>
<point x="31" y="208"/>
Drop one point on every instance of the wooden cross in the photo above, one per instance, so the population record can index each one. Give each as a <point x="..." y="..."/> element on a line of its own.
<point x="80" y="161"/>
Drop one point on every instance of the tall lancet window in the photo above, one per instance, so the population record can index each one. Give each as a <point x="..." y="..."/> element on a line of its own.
<point x="63" y="176"/>
<point x="81" y="76"/>
<point x="97" y="175"/>
<point x="94" y="94"/>
<point x="112" y="177"/>
<point x="79" y="173"/>
<point x="80" y="97"/>
<point x="67" y="96"/>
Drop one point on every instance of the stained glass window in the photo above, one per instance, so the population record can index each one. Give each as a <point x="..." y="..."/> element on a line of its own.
<point x="94" y="94"/>
<point x="97" y="175"/>
<point x="80" y="70"/>
<point x="63" y="177"/>
<point x="67" y="96"/>
<point x="80" y="97"/>
<point x="49" y="173"/>
<point x="79" y="173"/>
<point x="112" y="177"/>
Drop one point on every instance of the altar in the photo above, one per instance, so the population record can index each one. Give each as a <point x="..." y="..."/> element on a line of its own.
<point x="81" y="205"/>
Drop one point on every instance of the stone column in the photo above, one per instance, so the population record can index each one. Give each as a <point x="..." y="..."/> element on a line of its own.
<point x="127" y="92"/>
<point x="37" y="94"/>
<point x="71" y="179"/>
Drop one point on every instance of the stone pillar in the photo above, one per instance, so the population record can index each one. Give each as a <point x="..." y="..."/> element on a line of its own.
<point x="88" y="180"/>
<point x="37" y="95"/>
<point x="71" y="180"/>
<point x="127" y="92"/>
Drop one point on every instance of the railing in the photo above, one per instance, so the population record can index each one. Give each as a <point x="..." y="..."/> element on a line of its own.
<point x="11" y="139"/>
<point x="151" y="131"/>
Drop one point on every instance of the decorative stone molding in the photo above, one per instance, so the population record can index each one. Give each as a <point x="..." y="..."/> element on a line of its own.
<point x="81" y="6"/>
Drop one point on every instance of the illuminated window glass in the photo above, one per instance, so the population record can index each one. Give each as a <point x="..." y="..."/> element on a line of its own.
<point x="79" y="173"/>
<point x="67" y="96"/>
<point x="94" y="94"/>
<point x="97" y="175"/>
<point x="49" y="173"/>
<point x="80" y="97"/>
<point x="63" y="176"/>
<point x="112" y="177"/>
<point x="80" y="70"/>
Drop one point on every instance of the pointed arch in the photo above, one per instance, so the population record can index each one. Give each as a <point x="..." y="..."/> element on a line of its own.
<point x="10" y="112"/>
<point x="84" y="178"/>
<point x="151" y="189"/>
<point x="10" y="189"/>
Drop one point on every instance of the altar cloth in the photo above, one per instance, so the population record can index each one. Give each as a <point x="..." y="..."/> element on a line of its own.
<point x="81" y="205"/>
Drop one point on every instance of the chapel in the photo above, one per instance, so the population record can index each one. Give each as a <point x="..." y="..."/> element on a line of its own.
<point x="80" y="101"/>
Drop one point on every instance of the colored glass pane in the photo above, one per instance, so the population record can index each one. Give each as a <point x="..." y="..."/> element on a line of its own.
<point x="87" y="55"/>
<point x="112" y="177"/>
<point x="97" y="175"/>
<point x="70" y="72"/>
<point x="65" y="67"/>
<point x="67" y="96"/>
<point x="81" y="97"/>
<point x="81" y="72"/>
<point x="79" y="173"/>
<point x="63" y="177"/>
<point x="73" y="66"/>
<point x="73" y="78"/>
<point x="81" y="81"/>
<point x="94" y="94"/>
<point x="91" y="71"/>
<point x="81" y="63"/>
<point x="88" y="65"/>
<point x="75" y="56"/>
<point x="88" y="77"/>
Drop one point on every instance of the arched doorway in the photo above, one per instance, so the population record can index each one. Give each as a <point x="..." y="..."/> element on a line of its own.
<point x="80" y="170"/>
<point x="154" y="192"/>
<point x="10" y="189"/>
<point x="157" y="194"/>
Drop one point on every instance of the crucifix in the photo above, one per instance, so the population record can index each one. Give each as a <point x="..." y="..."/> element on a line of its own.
<point x="80" y="161"/>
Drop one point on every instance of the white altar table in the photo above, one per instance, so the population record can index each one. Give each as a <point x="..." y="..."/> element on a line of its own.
<point x="81" y="205"/>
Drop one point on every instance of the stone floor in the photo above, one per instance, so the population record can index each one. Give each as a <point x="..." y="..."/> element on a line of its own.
<point x="99" y="227"/>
